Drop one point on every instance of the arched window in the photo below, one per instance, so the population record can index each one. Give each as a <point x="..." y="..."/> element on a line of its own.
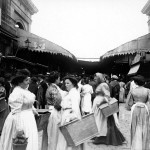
<point x="19" y="25"/>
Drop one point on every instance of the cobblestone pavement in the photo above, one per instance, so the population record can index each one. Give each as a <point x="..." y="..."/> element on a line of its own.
<point x="124" y="120"/>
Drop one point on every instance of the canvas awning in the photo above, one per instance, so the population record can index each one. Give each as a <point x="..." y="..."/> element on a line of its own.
<point x="24" y="61"/>
<point x="134" y="69"/>
<point x="139" y="45"/>
<point x="38" y="44"/>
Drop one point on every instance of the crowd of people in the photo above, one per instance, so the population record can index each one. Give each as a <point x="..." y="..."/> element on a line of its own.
<point x="68" y="98"/>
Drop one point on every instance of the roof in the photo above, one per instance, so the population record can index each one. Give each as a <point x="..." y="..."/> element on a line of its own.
<point x="139" y="45"/>
<point x="39" y="44"/>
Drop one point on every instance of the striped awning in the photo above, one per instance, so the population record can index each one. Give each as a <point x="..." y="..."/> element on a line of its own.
<point x="38" y="44"/>
<point x="139" y="45"/>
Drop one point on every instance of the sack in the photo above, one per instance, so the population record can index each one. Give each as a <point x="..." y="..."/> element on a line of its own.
<point x="109" y="108"/>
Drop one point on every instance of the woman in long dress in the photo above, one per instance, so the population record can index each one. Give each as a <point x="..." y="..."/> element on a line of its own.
<point x="86" y="97"/>
<point x="122" y="92"/>
<point x="109" y="134"/>
<point x="140" y="126"/>
<point x="21" y="117"/>
<point x="54" y="97"/>
<point x="70" y="111"/>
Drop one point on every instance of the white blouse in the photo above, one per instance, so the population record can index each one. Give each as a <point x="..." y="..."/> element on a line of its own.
<point x="72" y="100"/>
<point x="21" y="99"/>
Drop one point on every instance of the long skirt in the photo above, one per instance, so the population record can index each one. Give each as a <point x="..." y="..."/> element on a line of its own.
<point x="26" y="122"/>
<point x="140" y="129"/>
<point x="53" y="129"/>
<point x="113" y="137"/>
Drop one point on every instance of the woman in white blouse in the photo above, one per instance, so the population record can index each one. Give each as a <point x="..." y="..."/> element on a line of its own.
<point x="21" y="117"/>
<point x="70" y="110"/>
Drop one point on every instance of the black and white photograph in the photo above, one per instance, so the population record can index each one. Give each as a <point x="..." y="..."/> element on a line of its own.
<point x="74" y="74"/>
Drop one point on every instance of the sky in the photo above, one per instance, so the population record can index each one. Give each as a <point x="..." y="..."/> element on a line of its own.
<point x="89" y="28"/>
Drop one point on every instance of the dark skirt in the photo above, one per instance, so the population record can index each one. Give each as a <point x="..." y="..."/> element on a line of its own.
<point x="114" y="136"/>
<point x="3" y="115"/>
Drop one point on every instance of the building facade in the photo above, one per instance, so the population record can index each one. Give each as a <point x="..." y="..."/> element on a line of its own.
<point x="21" y="12"/>
<point x="20" y="48"/>
<point x="14" y="14"/>
<point x="146" y="11"/>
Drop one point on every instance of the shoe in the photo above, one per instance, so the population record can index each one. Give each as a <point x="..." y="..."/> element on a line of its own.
<point x="93" y="138"/>
<point x="100" y="140"/>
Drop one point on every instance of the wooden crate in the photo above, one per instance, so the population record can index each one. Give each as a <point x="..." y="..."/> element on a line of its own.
<point x="42" y="119"/>
<point x="78" y="131"/>
<point x="110" y="108"/>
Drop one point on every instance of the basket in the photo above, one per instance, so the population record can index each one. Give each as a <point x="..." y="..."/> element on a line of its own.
<point x="78" y="131"/>
<point x="110" y="108"/>
<point x="19" y="146"/>
<point x="42" y="119"/>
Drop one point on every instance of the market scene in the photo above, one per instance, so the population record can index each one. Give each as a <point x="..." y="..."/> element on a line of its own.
<point x="52" y="100"/>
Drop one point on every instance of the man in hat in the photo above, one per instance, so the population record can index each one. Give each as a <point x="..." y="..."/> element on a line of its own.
<point x="42" y="91"/>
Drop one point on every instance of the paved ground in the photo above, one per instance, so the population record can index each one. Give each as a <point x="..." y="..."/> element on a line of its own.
<point x="124" y="120"/>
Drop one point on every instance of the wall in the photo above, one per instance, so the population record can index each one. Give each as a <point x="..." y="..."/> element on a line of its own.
<point x="21" y="11"/>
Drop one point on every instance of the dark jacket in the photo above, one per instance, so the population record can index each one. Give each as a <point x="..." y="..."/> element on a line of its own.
<point x="33" y="87"/>
<point x="41" y="93"/>
<point x="115" y="89"/>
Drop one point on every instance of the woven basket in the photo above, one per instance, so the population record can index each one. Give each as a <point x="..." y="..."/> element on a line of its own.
<point x="110" y="108"/>
<point x="19" y="146"/>
<point x="78" y="131"/>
